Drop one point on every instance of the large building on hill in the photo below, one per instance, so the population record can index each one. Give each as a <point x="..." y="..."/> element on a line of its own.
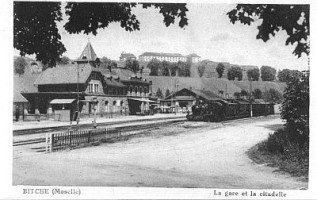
<point x="170" y="57"/>
<point x="84" y="88"/>
<point x="127" y="56"/>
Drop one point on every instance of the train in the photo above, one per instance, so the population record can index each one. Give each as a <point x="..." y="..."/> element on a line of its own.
<point x="220" y="110"/>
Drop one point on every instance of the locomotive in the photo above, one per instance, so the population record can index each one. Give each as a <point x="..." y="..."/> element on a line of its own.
<point x="220" y="110"/>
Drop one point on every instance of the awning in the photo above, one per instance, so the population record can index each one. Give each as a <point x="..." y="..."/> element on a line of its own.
<point x="62" y="101"/>
<point x="143" y="100"/>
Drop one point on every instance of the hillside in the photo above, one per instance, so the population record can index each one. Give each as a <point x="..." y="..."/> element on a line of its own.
<point x="262" y="85"/>
<point x="215" y="85"/>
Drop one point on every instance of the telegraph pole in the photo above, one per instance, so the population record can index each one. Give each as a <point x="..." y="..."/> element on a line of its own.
<point x="171" y="94"/>
<point x="265" y="100"/>
<point x="77" y="120"/>
<point x="251" y="113"/>
<point x="176" y="84"/>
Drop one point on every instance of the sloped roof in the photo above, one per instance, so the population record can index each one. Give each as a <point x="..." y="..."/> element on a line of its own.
<point x="127" y="55"/>
<point x="25" y="83"/>
<point x="113" y="83"/>
<point x="65" y="74"/>
<point x="17" y="96"/>
<point x="205" y="94"/>
<point x="162" y="54"/>
<point x="124" y="74"/>
<point x="88" y="52"/>
<point x="193" y="55"/>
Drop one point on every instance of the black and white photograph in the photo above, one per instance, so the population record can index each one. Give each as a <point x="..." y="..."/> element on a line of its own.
<point x="159" y="100"/>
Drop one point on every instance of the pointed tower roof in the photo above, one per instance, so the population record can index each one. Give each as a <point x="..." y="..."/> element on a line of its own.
<point x="88" y="53"/>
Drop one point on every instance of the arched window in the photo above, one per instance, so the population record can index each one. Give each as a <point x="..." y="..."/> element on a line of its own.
<point x="131" y="89"/>
<point x="141" y="90"/>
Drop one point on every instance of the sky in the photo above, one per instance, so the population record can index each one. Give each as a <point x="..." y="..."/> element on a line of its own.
<point x="209" y="34"/>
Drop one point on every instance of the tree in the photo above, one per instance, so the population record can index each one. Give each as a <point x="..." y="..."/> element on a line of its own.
<point x="184" y="69"/>
<point x="273" y="95"/>
<point x="159" y="93"/>
<point x="153" y="65"/>
<point x="257" y="93"/>
<point x="234" y="72"/>
<point x="164" y="68"/>
<point x="35" y="30"/>
<point x="19" y="65"/>
<point x="201" y="70"/>
<point x="237" y="95"/>
<point x="133" y="65"/>
<point x="174" y="69"/>
<point x="244" y="93"/>
<point x="220" y="69"/>
<point x="268" y="73"/>
<point x="295" y="108"/>
<point x="167" y="93"/>
<point x="253" y="74"/>
<point x="64" y="60"/>
<point x="286" y="74"/>
<point x="294" y="19"/>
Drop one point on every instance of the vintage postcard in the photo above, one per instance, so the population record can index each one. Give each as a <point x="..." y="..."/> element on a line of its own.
<point x="118" y="100"/>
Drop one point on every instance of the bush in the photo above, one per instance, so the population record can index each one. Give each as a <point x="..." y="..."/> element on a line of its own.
<point x="280" y="151"/>
<point x="295" y="108"/>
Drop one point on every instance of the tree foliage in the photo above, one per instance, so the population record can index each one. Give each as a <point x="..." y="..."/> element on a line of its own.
<point x="166" y="68"/>
<point x="237" y="95"/>
<point x="133" y="65"/>
<point x="295" y="107"/>
<point x="253" y="74"/>
<point x="159" y="93"/>
<point x="257" y="93"/>
<point x="286" y="74"/>
<point x="235" y="72"/>
<point x="19" y="65"/>
<point x="35" y="30"/>
<point x="244" y="93"/>
<point x="154" y="65"/>
<point x="273" y="95"/>
<point x="105" y="63"/>
<point x="64" y="60"/>
<point x="294" y="19"/>
<point x="167" y="93"/>
<point x="93" y="16"/>
<point x="268" y="73"/>
<point x="183" y="69"/>
<point x="201" y="70"/>
<point x="220" y="69"/>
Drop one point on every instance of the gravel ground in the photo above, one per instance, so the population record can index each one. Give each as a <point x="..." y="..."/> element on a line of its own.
<point x="189" y="154"/>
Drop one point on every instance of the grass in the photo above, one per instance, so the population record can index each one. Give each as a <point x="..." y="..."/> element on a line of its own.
<point x="278" y="151"/>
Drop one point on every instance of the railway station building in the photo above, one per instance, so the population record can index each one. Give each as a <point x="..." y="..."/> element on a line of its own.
<point x="184" y="99"/>
<point x="82" y="88"/>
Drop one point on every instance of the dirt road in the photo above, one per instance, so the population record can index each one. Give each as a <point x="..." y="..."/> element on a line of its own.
<point x="190" y="154"/>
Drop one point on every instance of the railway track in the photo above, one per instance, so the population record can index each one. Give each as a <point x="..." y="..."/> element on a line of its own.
<point x="123" y="129"/>
<point x="83" y="126"/>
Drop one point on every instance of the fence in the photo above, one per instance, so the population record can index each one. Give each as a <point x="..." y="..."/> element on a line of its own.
<point x="73" y="138"/>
